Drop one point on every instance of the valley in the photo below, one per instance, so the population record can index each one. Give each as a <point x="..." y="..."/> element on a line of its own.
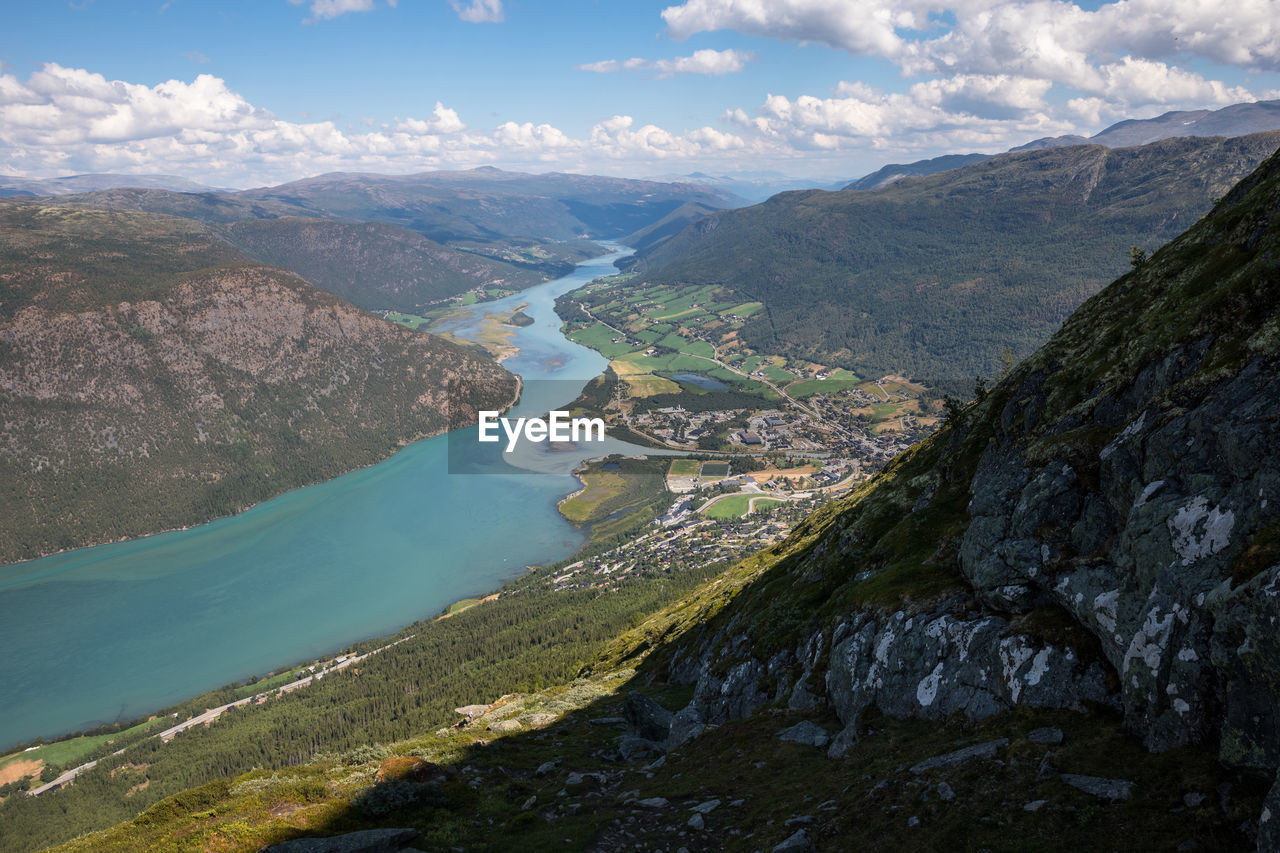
<point x="775" y="565"/>
<point x="206" y="581"/>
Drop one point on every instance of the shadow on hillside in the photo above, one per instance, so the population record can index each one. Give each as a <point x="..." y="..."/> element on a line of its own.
<point x="740" y="786"/>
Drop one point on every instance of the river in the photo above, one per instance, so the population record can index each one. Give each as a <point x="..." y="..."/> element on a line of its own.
<point x="116" y="631"/>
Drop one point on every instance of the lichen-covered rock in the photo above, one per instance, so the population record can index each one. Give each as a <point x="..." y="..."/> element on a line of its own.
<point x="976" y="752"/>
<point x="686" y="724"/>
<point x="1173" y="499"/>
<point x="807" y="733"/>
<point x="736" y="693"/>
<point x="632" y="748"/>
<point x="1112" y="790"/>
<point x="931" y="666"/>
<point x="1246" y="653"/>
<point x="1269" y="821"/>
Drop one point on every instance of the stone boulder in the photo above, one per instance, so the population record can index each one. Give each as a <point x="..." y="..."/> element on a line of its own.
<point x="365" y="841"/>
<point x="806" y="733"/>
<point x="646" y="718"/>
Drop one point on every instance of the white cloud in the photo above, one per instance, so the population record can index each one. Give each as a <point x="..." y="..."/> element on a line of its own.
<point x="704" y="61"/>
<point x="855" y="25"/>
<point x="478" y="11"/>
<point x="963" y="113"/>
<point x="1126" y="52"/>
<point x="64" y="120"/>
<point x="443" y="121"/>
<point x="615" y="139"/>
<point x="323" y="10"/>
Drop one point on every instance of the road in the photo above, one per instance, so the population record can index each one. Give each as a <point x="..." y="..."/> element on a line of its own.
<point x="213" y="713"/>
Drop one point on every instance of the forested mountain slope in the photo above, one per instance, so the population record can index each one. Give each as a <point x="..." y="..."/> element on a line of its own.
<point x="934" y="277"/>
<point x="372" y="265"/>
<point x="142" y="355"/>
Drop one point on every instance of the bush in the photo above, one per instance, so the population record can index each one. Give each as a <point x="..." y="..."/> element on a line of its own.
<point x="387" y="797"/>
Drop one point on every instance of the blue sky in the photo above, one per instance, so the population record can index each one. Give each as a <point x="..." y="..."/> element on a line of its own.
<point x="243" y="93"/>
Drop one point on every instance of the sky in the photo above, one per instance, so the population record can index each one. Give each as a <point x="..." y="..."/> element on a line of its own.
<point x="244" y="93"/>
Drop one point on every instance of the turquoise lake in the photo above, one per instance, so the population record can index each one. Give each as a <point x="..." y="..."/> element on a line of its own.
<point x="116" y="631"/>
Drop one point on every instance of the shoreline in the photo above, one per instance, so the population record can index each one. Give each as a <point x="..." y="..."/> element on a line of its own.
<point x="77" y="729"/>
<point x="400" y="445"/>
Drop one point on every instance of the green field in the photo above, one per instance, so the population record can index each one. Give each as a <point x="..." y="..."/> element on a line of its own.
<point x="413" y="321"/>
<point x="287" y="677"/>
<point x="649" y="336"/>
<point x="638" y="362"/>
<point x="459" y="606"/>
<point x="746" y="309"/>
<point x="649" y="385"/>
<point x="684" y="468"/>
<point x="64" y="752"/>
<point x="839" y="380"/>
<point x="735" y="506"/>
<point x="674" y="341"/>
<point x="701" y="348"/>
<point x="600" y="337"/>
<point x="820" y="386"/>
<point x="715" y="469"/>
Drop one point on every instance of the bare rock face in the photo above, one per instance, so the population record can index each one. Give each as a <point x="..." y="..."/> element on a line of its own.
<point x="1138" y="538"/>
<point x="931" y="666"/>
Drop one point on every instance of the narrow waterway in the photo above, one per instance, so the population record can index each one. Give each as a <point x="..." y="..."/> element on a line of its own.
<point x="112" y="632"/>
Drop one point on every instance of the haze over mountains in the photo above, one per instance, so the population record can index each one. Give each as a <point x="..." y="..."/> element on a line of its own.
<point x="486" y="203"/>
<point x="10" y="185"/>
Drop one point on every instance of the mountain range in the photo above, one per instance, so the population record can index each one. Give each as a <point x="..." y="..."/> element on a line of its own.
<point x="12" y="185"/>
<point x="1233" y="120"/>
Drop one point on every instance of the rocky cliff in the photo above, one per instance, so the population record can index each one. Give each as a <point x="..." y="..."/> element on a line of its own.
<point x="1100" y="530"/>
<point x="141" y="355"/>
